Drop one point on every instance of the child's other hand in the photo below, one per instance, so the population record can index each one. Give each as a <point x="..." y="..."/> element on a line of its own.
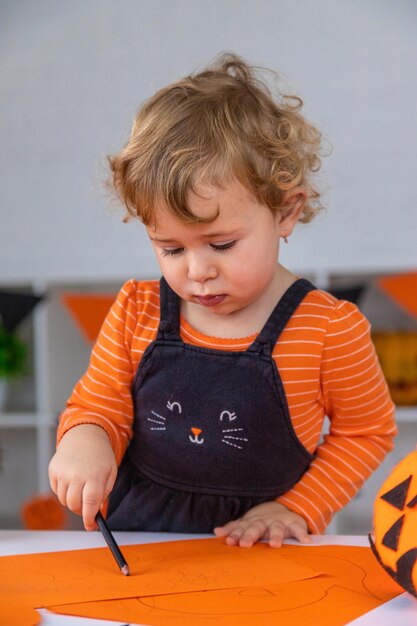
<point x="83" y="470"/>
<point x="270" y="520"/>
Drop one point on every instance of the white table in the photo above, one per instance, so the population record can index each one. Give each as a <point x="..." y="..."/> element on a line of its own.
<point x="401" y="611"/>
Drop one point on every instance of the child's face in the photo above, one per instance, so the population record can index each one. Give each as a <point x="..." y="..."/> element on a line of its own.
<point x="225" y="265"/>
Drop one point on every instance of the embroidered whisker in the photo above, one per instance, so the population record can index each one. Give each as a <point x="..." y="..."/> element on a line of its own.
<point x="236" y="438"/>
<point x="157" y="415"/>
<point x="229" y="443"/>
<point x="231" y="430"/>
<point x="149" y="419"/>
<point x="154" y="428"/>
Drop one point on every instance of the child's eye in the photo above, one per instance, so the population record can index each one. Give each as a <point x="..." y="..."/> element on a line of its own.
<point x="171" y="251"/>
<point x="223" y="246"/>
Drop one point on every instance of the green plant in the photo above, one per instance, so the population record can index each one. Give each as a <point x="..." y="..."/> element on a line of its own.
<point x="13" y="353"/>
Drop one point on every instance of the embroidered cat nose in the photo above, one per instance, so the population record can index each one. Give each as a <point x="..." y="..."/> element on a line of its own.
<point x="196" y="431"/>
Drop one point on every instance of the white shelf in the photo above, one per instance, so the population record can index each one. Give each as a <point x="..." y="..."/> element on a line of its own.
<point x="18" y="420"/>
<point x="25" y="420"/>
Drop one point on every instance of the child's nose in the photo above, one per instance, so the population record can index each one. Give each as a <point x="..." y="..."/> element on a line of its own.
<point x="196" y="431"/>
<point x="200" y="268"/>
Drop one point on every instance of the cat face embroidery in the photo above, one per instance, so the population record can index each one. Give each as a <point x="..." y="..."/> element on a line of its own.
<point x="234" y="437"/>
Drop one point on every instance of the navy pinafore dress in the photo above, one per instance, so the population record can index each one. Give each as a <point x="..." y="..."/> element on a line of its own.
<point x="212" y="433"/>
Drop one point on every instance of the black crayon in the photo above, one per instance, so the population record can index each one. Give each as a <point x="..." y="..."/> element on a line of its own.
<point x="111" y="542"/>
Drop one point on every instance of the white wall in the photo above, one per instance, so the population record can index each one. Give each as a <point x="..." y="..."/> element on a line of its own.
<point x="73" y="73"/>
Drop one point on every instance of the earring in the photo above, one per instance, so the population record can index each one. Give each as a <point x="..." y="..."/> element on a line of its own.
<point x="285" y="238"/>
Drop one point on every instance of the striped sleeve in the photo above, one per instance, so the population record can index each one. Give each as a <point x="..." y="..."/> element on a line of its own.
<point x="361" y="415"/>
<point x="102" y="396"/>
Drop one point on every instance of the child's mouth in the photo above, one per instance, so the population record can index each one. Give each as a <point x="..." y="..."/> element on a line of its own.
<point x="211" y="300"/>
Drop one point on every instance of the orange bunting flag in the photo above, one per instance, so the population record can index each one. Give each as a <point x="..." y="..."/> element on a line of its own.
<point x="88" y="311"/>
<point x="403" y="289"/>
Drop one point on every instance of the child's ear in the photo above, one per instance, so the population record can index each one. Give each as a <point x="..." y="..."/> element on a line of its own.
<point x="293" y="203"/>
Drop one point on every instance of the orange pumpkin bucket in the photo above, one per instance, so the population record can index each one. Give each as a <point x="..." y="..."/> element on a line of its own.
<point x="43" y="512"/>
<point x="395" y="524"/>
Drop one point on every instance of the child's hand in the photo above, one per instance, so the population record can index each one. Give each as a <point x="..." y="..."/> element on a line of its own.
<point x="270" y="520"/>
<point x="83" y="470"/>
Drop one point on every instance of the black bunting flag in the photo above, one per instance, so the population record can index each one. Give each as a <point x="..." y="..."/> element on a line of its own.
<point x="15" y="307"/>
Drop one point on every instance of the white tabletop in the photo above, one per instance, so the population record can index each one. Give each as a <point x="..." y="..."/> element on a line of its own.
<point x="401" y="611"/>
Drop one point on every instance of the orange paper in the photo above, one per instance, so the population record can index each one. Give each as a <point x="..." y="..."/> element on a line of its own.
<point x="352" y="584"/>
<point x="156" y="569"/>
<point x="89" y="311"/>
<point x="16" y="614"/>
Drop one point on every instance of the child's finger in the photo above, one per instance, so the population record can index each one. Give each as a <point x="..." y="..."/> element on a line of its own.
<point x="110" y="482"/>
<point x="74" y="498"/>
<point x="91" y="504"/>
<point x="61" y="492"/>
<point x="233" y="537"/>
<point x="255" y="530"/>
<point x="243" y="532"/>
<point x="276" y="533"/>
<point x="299" y="532"/>
<point x="53" y="481"/>
<point x="232" y="531"/>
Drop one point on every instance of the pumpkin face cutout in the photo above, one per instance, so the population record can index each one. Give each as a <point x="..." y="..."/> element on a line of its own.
<point x="395" y="524"/>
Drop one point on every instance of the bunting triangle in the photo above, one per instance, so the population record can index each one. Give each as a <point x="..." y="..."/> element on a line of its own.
<point x="15" y="307"/>
<point x="351" y="294"/>
<point x="403" y="289"/>
<point x="89" y="311"/>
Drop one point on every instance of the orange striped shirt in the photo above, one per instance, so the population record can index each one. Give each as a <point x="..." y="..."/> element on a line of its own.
<point x="327" y="364"/>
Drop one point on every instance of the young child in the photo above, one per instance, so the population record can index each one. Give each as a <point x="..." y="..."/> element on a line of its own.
<point x="203" y="404"/>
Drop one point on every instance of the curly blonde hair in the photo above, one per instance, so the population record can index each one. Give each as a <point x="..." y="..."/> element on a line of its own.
<point x="208" y="128"/>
